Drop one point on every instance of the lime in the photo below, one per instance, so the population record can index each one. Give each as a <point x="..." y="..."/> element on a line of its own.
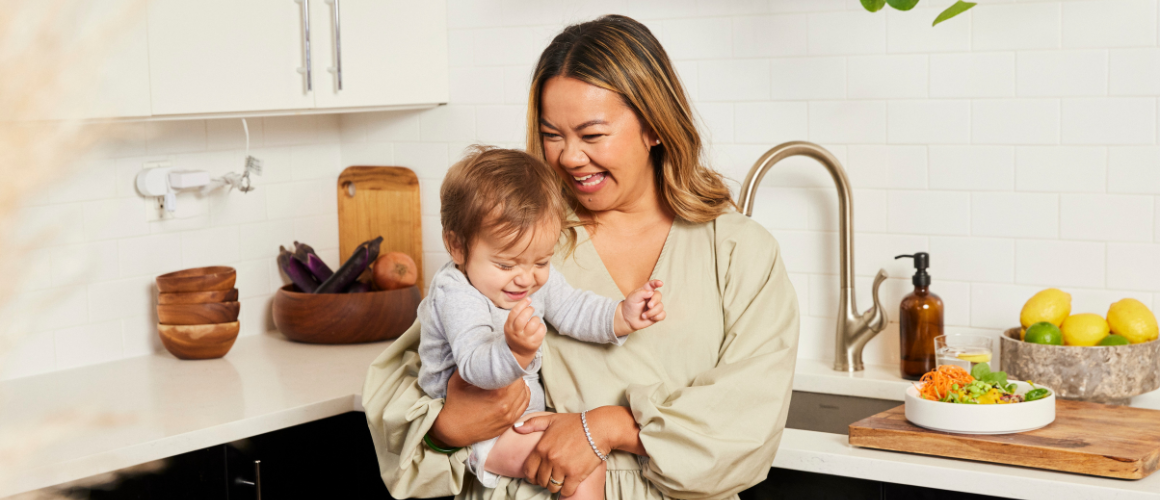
<point x="1114" y="339"/>
<point x="1044" y="333"/>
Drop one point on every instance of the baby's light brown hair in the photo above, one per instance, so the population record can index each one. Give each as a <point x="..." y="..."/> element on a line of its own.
<point x="503" y="190"/>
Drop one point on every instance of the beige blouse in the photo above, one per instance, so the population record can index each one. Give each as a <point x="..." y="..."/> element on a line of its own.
<point x="709" y="386"/>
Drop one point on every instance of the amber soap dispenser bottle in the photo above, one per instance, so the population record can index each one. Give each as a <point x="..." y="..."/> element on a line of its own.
<point x="920" y="320"/>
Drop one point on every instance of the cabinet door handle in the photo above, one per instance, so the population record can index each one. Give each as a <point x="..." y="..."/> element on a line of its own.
<point x="337" y="24"/>
<point x="257" y="482"/>
<point x="306" y="43"/>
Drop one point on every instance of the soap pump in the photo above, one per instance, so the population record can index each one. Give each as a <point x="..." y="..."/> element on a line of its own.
<point x="920" y="320"/>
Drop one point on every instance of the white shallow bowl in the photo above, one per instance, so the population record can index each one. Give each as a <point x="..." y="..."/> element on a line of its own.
<point x="981" y="419"/>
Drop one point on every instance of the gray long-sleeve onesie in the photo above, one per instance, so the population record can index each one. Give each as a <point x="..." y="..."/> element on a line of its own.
<point x="461" y="328"/>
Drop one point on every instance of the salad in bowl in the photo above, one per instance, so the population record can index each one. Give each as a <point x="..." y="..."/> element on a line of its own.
<point x="950" y="399"/>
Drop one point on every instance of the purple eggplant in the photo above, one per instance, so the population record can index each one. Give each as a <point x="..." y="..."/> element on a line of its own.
<point x="304" y="254"/>
<point x="297" y="272"/>
<point x="359" y="287"/>
<point x="363" y="256"/>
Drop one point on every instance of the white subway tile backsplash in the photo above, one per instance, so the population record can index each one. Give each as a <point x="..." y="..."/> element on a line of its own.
<point x="1017" y="26"/>
<point x="1134" y="266"/>
<point x="897" y="167"/>
<point x="517" y="83"/>
<point x="286" y="130"/>
<point x="367" y="153"/>
<point x="808" y="78"/>
<point x="460" y="48"/>
<point x="926" y="122"/>
<point x="254" y="277"/>
<point x="886" y="77"/>
<point x="497" y="47"/>
<point x="853" y="32"/>
<point x="477" y="85"/>
<point x="733" y="80"/>
<point x="228" y="133"/>
<point x="998" y="306"/>
<point x="1060" y="263"/>
<point x="31" y="354"/>
<point x="911" y="31"/>
<point x="1062" y="73"/>
<point x="429" y="160"/>
<point x="321" y="161"/>
<point x="261" y="240"/>
<point x="1134" y="170"/>
<point x="1015" y="121"/>
<point x="499" y="124"/>
<point x="930" y="212"/>
<point x="90" y="180"/>
<point x="770" y="36"/>
<point x="210" y="247"/>
<point x="176" y="136"/>
<point x="877" y="251"/>
<point x="848" y="121"/>
<point x="1105" y="217"/>
<point x="393" y="126"/>
<point x="295" y="199"/>
<point x="974" y="168"/>
<point x="987" y="74"/>
<point x="88" y="344"/>
<point x="703" y="38"/>
<point x="873" y="210"/>
<point x="1015" y="215"/>
<point x="973" y="259"/>
<point x="149" y="255"/>
<point x="1135" y="72"/>
<point x="1061" y="169"/>
<point x="715" y="122"/>
<point x="1118" y="120"/>
<point x="122" y="299"/>
<point x="113" y="218"/>
<point x="48" y="225"/>
<point x="770" y="122"/>
<point x="809" y="251"/>
<point x="1109" y="23"/>
<point x="82" y="263"/>
<point x="320" y="232"/>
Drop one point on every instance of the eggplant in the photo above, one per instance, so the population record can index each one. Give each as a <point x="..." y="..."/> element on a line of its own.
<point x="359" y="287"/>
<point x="296" y="271"/>
<point x="363" y="256"/>
<point x="305" y="254"/>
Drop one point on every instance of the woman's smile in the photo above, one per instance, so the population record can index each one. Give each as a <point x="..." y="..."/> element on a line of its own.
<point x="590" y="183"/>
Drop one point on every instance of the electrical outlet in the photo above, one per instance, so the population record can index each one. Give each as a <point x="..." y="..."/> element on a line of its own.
<point x="155" y="205"/>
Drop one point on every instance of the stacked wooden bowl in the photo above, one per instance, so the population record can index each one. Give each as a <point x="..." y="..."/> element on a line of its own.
<point x="197" y="312"/>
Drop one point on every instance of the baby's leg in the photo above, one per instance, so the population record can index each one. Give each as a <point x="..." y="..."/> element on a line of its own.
<point x="512" y="449"/>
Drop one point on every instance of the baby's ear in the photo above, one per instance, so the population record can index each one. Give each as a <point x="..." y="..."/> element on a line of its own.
<point x="451" y="243"/>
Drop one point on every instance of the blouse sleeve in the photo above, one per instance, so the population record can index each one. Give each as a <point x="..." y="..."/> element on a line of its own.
<point x="399" y="414"/>
<point x="719" y="435"/>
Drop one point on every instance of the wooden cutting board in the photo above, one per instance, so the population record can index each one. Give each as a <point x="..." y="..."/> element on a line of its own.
<point x="1086" y="438"/>
<point x="380" y="201"/>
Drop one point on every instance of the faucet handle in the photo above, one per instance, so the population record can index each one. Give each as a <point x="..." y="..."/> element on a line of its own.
<point x="878" y="319"/>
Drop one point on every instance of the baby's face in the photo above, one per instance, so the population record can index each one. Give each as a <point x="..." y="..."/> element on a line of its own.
<point x="509" y="276"/>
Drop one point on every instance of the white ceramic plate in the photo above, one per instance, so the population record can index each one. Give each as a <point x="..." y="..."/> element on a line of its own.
<point x="981" y="419"/>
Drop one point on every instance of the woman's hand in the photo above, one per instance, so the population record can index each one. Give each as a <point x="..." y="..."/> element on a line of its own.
<point x="471" y="414"/>
<point x="564" y="454"/>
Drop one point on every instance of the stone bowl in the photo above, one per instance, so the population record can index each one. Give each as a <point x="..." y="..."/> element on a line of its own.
<point x="1100" y="374"/>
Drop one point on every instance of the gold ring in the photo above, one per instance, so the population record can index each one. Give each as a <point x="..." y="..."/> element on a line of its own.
<point x="555" y="482"/>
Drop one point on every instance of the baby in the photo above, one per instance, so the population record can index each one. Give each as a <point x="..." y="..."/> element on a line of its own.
<point x="503" y="214"/>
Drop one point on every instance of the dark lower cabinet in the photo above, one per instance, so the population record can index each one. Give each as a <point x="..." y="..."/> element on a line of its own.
<point x="335" y="458"/>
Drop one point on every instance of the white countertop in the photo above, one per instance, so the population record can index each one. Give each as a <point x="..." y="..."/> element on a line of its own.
<point x="137" y="410"/>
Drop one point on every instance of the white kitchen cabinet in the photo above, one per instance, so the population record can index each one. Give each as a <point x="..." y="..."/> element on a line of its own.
<point x="392" y="52"/>
<point x="221" y="57"/>
<point x="227" y="56"/>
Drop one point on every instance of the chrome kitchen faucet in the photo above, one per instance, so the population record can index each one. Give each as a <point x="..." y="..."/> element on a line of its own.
<point x="854" y="329"/>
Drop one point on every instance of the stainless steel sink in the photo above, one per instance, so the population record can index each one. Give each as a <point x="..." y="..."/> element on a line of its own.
<point x="812" y="411"/>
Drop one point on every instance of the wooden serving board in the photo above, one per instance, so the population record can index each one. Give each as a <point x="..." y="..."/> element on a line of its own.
<point x="380" y="201"/>
<point x="1086" y="438"/>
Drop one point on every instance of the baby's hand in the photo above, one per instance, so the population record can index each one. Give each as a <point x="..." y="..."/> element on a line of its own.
<point x="641" y="309"/>
<point x="524" y="332"/>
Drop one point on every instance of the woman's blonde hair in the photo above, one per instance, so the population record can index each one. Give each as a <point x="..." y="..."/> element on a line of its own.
<point x="503" y="190"/>
<point x="621" y="55"/>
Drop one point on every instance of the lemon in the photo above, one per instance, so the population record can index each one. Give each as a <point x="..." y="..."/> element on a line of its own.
<point x="1044" y="333"/>
<point x="1133" y="320"/>
<point x="1085" y="329"/>
<point x="1051" y="305"/>
<point x="1114" y="339"/>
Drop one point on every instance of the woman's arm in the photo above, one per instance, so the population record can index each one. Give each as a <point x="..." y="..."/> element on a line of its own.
<point x="399" y="414"/>
<point x="564" y="453"/>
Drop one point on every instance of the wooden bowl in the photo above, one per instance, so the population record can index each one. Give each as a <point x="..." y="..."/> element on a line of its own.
<point x="345" y="318"/>
<point x="201" y="279"/>
<point x="199" y="341"/>
<point x="230" y="295"/>
<point x="211" y="313"/>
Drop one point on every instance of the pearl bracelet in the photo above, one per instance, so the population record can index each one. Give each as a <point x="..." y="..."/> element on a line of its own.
<point x="584" y="421"/>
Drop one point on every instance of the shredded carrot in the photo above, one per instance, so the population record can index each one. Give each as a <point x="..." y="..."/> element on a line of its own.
<point x="937" y="384"/>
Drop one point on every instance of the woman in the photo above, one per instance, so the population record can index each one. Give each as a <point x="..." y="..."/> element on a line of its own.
<point x="692" y="407"/>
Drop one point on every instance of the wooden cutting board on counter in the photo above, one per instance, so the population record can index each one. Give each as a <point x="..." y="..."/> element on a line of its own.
<point x="380" y="201"/>
<point x="1086" y="438"/>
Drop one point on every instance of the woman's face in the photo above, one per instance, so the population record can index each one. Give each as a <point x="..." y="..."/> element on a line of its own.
<point x="597" y="142"/>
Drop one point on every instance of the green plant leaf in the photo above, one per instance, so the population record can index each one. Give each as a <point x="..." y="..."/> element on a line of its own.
<point x="952" y="11"/>
<point x="873" y="5"/>
<point x="902" y="4"/>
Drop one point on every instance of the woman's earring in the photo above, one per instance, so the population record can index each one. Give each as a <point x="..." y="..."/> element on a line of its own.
<point x="658" y="143"/>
